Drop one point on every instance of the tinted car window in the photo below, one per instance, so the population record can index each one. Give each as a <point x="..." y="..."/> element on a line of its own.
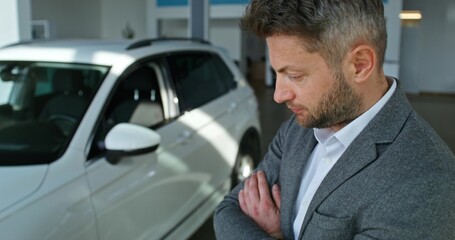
<point x="199" y="78"/>
<point x="42" y="104"/>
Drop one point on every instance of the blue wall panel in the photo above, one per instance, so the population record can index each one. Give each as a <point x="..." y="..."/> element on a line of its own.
<point x="171" y="3"/>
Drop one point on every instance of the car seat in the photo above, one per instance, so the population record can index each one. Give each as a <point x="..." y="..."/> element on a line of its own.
<point x="141" y="104"/>
<point x="68" y="106"/>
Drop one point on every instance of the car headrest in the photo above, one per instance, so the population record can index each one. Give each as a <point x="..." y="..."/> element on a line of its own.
<point x="143" y="79"/>
<point x="68" y="80"/>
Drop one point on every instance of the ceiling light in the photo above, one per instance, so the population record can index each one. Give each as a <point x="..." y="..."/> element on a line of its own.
<point x="410" y="15"/>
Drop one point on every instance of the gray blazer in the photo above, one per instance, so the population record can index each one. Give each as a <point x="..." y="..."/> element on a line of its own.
<point x="395" y="181"/>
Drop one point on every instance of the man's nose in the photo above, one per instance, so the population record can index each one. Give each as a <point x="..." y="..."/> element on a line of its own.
<point x="283" y="92"/>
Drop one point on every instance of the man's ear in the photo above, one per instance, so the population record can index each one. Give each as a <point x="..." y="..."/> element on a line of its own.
<point x="363" y="58"/>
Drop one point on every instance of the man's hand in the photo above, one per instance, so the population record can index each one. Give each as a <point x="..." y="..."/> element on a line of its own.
<point x="256" y="202"/>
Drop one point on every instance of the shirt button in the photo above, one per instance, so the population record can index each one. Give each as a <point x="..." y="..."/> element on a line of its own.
<point x="327" y="160"/>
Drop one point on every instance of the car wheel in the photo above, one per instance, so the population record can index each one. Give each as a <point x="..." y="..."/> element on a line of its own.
<point x="247" y="157"/>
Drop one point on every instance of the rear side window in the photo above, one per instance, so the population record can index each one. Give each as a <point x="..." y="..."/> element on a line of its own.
<point x="199" y="78"/>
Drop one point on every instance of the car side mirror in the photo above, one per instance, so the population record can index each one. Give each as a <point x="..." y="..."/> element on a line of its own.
<point x="126" y="139"/>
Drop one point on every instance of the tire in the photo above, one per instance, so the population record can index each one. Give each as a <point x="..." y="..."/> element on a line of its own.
<point x="248" y="157"/>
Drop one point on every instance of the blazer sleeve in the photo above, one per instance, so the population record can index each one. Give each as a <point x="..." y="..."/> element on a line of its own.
<point x="229" y="220"/>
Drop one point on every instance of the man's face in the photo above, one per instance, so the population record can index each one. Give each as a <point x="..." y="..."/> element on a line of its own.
<point x="318" y="96"/>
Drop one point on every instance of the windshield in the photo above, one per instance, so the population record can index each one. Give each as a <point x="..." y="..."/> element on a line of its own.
<point x="41" y="104"/>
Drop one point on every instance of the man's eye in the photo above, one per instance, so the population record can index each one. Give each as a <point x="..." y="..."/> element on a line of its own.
<point x="294" y="77"/>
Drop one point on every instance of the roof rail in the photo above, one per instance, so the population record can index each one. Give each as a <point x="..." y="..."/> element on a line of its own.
<point x="148" y="42"/>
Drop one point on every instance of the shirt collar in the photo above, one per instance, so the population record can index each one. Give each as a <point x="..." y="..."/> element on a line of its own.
<point x="348" y="133"/>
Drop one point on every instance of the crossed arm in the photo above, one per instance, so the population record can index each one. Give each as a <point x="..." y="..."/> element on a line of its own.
<point x="261" y="205"/>
<point x="252" y="209"/>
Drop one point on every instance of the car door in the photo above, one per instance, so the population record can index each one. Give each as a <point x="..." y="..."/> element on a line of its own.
<point x="152" y="195"/>
<point x="128" y="196"/>
<point x="203" y="87"/>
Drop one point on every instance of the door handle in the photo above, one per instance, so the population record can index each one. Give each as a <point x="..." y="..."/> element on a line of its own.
<point x="232" y="106"/>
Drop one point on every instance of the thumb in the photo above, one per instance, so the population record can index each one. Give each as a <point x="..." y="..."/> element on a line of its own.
<point x="276" y="194"/>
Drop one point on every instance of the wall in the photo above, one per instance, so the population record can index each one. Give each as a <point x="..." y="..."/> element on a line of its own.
<point x="69" y="18"/>
<point x="15" y="20"/>
<point x="91" y="18"/>
<point x="169" y="19"/>
<point x="173" y="28"/>
<point x="222" y="32"/>
<point x="108" y="18"/>
<point x="427" y="51"/>
<point x="226" y="33"/>
<point x="392" y="10"/>
<point x="116" y="14"/>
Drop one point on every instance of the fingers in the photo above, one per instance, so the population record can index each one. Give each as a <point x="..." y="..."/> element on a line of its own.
<point x="253" y="190"/>
<point x="263" y="186"/>
<point x="261" y="204"/>
<point x="276" y="194"/>
<point x="245" y="200"/>
<point x="242" y="202"/>
<point x="256" y="194"/>
<point x="249" y="195"/>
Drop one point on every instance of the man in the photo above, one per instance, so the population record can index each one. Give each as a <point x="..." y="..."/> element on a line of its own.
<point x="355" y="161"/>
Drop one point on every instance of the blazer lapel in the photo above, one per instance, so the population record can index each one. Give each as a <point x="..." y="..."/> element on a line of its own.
<point x="350" y="163"/>
<point x="291" y="172"/>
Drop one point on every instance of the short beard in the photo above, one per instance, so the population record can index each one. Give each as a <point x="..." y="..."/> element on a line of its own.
<point x="338" y="106"/>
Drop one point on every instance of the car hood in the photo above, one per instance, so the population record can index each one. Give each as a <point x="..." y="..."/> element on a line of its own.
<point x="18" y="182"/>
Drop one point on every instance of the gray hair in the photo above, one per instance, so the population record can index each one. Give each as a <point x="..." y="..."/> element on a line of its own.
<point x="328" y="27"/>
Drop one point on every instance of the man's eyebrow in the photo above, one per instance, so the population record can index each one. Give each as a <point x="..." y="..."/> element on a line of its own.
<point x="287" y="68"/>
<point x="281" y="70"/>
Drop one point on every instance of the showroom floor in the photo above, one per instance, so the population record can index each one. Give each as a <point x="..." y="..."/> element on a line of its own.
<point x="438" y="110"/>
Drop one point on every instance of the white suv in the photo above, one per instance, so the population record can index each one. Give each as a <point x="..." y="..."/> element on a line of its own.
<point x="120" y="140"/>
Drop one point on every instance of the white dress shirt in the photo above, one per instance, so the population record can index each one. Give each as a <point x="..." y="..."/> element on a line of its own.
<point x="331" y="145"/>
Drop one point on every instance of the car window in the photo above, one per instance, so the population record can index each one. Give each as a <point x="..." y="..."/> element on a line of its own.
<point x="42" y="107"/>
<point x="5" y="91"/>
<point x="136" y="99"/>
<point x="199" y="78"/>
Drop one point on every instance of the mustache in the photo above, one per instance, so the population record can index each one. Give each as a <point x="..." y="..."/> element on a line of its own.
<point x="291" y="105"/>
